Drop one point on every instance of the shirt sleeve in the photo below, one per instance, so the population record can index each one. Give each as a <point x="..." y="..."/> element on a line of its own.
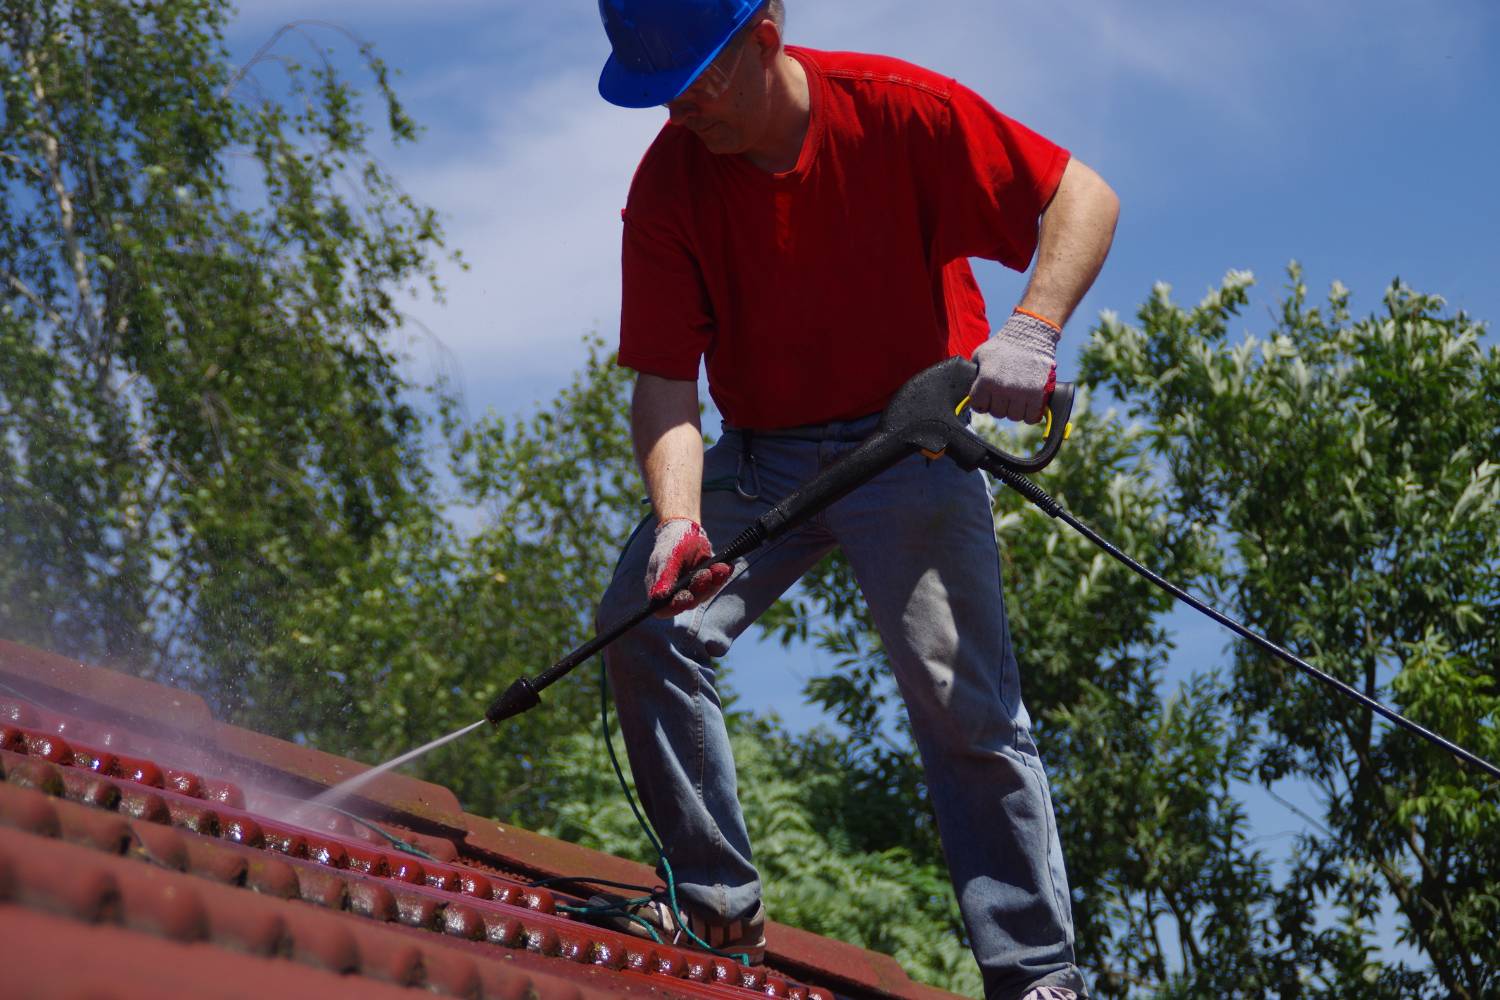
<point x="997" y="177"/>
<point x="665" y="317"/>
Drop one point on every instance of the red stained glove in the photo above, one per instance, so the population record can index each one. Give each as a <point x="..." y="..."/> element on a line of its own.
<point x="681" y="544"/>
<point x="1017" y="369"/>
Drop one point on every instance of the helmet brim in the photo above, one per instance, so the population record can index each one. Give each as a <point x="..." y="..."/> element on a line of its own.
<point x="628" y="89"/>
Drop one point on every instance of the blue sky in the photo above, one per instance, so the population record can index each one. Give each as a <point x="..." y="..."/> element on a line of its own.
<point x="1357" y="136"/>
<point x="1360" y="137"/>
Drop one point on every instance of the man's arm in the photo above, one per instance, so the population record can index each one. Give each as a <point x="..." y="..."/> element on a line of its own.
<point x="1076" y="231"/>
<point x="668" y="442"/>
<point x="1017" y="364"/>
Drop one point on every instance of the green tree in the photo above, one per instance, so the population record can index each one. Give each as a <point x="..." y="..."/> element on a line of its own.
<point x="212" y="467"/>
<point x="201" y="406"/>
<point x="421" y="636"/>
<point x="1350" y="473"/>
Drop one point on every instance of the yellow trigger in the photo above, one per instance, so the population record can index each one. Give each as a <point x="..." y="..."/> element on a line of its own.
<point x="1067" y="427"/>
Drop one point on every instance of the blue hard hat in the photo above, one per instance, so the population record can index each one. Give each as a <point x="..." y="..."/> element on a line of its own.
<point x="660" y="46"/>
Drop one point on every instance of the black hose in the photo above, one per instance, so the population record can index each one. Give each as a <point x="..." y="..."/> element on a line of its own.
<point x="1049" y="506"/>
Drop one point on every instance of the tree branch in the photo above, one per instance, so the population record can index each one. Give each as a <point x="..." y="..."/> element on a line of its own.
<point x="25" y="165"/>
<point x="1300" y="814"/>
<point x="1444" y="908"/>
<point x="51" y="315"/>
<point x="1191" y="956"/>
<point x="1159" y="954"/>
<point x="163" y="583"/>
<point x="52" y="153"/>
<point x="264" y="52"/>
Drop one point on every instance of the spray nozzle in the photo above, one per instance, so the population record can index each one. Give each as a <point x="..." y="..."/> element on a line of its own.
<point x="516" y="699"/>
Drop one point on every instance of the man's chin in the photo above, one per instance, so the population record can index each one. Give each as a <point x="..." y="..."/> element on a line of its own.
<point x="718" y="139"/>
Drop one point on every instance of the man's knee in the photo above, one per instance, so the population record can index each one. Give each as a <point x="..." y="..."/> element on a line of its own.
<point x="978" y="734"/>
<point x="958" y="719"/>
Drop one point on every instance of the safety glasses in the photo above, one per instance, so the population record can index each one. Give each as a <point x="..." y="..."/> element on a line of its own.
<point x="714" y="81"/>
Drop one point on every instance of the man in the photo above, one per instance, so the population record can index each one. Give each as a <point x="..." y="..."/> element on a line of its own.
<point x="803" y="224"/>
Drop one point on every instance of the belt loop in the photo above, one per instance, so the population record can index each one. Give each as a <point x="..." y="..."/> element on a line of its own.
<point x="747" y="455"/>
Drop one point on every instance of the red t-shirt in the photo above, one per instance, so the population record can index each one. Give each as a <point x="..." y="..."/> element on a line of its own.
<point x="815" y="293"/>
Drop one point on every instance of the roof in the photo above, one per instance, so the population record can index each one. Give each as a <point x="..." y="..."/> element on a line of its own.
<point x="147" y="849"/>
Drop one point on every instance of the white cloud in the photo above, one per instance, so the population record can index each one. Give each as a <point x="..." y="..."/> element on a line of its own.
<point x="253" y="14"/>
<point x="534" y="205"/>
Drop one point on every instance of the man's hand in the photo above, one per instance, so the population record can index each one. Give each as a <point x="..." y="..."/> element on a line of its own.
<point x="1017" y="369"/>
<point x="681" y="544"/>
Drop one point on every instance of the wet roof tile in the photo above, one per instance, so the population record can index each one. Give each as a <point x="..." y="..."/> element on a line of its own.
<point x="137" y="829"/>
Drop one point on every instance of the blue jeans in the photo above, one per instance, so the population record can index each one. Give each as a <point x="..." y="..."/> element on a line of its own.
<point x="920" y="539"/>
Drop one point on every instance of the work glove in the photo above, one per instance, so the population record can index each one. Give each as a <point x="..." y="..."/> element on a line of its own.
<point x="1017" y="369"/>
<point x="681" y="544"/>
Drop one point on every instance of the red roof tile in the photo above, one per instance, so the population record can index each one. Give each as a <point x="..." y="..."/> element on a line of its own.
<point x="151" y="851"/>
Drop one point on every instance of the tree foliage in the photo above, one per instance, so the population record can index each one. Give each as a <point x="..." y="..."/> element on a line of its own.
<point x="201" y="406"/>
<point x="1350" y="471"/>
<point x="441" y="621"/>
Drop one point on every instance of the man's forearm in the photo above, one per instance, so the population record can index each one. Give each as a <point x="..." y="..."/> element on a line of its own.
<point x="1076" y="232"/>
<point x="668" y="443"/>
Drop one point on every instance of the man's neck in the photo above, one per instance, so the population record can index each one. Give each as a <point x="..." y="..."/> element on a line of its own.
<point x="791" y="114"/>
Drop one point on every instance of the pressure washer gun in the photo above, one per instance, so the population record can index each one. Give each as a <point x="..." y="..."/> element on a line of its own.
<point x="925" y="415"/>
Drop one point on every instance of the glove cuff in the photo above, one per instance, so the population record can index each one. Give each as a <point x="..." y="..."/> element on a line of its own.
<point x="1037" y="315"/>
<point x="1031" y="331"/>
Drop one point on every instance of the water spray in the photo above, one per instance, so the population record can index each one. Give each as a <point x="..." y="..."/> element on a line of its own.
<point x="348" y="787"/>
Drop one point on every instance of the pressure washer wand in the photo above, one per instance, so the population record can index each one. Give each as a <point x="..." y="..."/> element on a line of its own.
<point x="922" y="416"/>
